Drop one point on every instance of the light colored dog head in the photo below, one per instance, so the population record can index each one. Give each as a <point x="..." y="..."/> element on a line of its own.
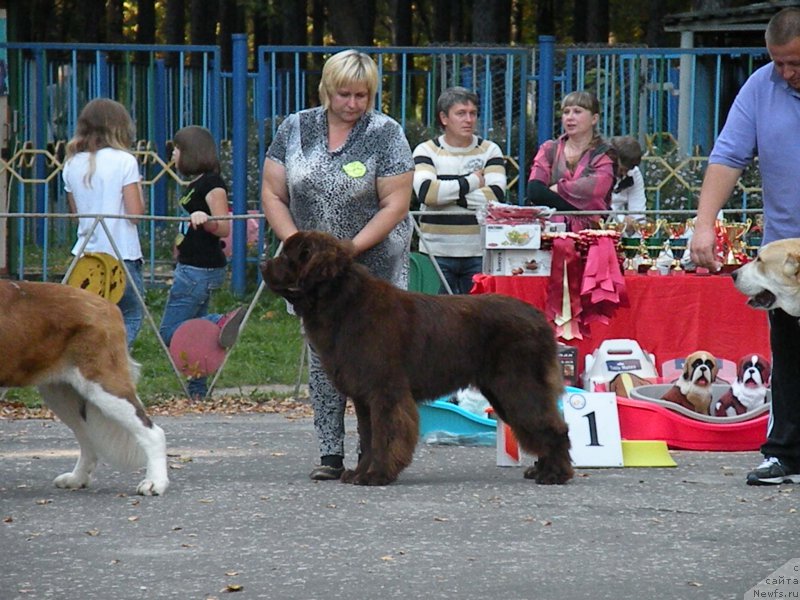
<point x="772" y="280"/>
<point x="699" y="372"/>
<point x="700" y="369"/>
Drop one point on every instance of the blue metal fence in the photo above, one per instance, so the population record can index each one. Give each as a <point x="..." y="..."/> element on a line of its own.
<point x="674" y="100"/>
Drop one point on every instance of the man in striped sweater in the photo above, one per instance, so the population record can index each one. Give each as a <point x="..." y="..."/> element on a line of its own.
<point x="454" y="175"/>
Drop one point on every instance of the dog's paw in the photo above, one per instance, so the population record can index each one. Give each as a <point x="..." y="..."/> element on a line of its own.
<point x="368" y="478"/>
<point x="547" y="476"/>
<point x="149" y="487"/>
<point x="71" y="481"/>
<point x="349" y="476"/>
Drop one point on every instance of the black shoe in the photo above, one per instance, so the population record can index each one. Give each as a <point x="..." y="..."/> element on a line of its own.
<point x="773" y="471"/>
<point x="229" y="330"/>
<point x="326" y="473"/>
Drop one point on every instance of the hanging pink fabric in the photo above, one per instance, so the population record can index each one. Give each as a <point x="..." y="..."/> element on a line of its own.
<point x="603" y="286"/>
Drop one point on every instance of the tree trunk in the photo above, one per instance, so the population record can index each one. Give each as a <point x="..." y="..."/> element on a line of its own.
<point x="231" y="20"/>
<point x="401" y="18"/>
<point x="442" y="20"/>
<point x="546" y="17"/>
<point x="262" y="25"/>
<point x="114" y="20"/>
<point x="591" y="22"/>
<point x="175" y="28"/>
<point x="293" y="22"/>
<point x="318" y="22"/>
<point x="503" y="21"/>
<point x="352" y="23"/>
<point x="146" y="22"/>
<point x="484" y="21"/>
<point x="202" y="27"/>
<point x="88" y="18"/>
<point x="655" y="36"/>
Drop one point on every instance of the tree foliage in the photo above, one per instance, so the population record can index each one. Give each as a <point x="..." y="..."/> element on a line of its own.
<point x="357" y="22"/>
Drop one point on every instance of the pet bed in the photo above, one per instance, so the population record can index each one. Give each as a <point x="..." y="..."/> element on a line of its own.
<point x="644" y="416"/>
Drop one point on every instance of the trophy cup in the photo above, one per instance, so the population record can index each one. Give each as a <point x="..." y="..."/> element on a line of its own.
<point x="754" y="237"/>
<point x="630" y="244"/>
<point x="734" y="232"/>
<point x="678" y="241"/>
<point x="651" y="242"/>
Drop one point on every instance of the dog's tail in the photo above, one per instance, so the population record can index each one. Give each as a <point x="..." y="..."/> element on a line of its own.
<point x="135" y="369"/>
<point x="109" y="424"/>
<point x="115" y="443"/>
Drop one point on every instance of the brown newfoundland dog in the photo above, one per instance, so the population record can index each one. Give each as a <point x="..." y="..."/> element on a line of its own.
<point x="388" y="349"/>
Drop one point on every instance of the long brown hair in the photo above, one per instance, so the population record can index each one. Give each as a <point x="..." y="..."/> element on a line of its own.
<point x="103" y="123"/>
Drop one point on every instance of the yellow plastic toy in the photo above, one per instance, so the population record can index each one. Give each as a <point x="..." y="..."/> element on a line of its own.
<point x="99" y="273"/>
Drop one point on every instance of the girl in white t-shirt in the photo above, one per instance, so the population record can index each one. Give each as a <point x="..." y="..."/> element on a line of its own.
<point x="101" y="177"/>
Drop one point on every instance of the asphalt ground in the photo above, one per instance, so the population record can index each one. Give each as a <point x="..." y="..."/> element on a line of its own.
<point x="243" y="520"/>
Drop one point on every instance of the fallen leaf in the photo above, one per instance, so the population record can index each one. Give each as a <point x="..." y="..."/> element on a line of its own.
<point x="8" y="520"/>
<point x="695" y="584"/>
<point x="93" y="532"/>
<point x="132" y="519"/>
<point x="441" y="519"/>
<point x="386" y="558"/>
<point x="232" y="573"/>
<point x="233" y="587"/>
<point x="44" y="501"/>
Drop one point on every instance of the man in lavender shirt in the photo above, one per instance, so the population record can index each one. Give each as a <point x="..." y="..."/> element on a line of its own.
<point x="765" y="121"/>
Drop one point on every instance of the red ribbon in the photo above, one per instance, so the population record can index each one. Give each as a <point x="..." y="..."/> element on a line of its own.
<point x="579" y="294"/>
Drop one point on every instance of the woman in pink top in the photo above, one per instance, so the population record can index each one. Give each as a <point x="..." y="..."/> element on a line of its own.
<point x="574" y="171"/>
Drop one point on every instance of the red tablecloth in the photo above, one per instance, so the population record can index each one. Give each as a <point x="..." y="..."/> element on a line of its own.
<point x="670" y="316"/>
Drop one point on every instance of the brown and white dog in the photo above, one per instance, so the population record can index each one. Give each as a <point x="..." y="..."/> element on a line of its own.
<point x="772" y="280"/>
<point x="71" y="344"/>
<point x="387" y="348"/>
<point x="692" y="390"/>
<point x="749" y="391"/>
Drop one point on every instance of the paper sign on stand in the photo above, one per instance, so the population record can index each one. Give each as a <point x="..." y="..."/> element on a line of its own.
<point x="594" y="433"/>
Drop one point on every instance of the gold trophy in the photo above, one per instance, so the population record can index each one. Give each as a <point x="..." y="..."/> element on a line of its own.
<point x="678" y="242"/>
<point x="652" y="243"/>
<point x="734" y="232"/>
<point x="630" y="244"/>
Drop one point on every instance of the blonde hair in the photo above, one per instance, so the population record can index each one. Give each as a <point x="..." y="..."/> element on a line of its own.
<point x="345" y="68"/>
<point x="103" y="123"/>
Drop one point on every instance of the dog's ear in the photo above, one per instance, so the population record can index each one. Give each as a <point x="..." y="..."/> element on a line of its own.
<point x="324" y="258"/>
<point x="791" y="266"/>
<point x="687" y="367"/>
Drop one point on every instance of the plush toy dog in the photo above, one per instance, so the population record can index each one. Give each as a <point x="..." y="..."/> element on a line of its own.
<point x="749" y="391"/>
<point x="692" y="390"/>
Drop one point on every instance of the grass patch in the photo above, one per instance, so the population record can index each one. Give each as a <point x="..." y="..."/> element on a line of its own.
<point x="267" y="352"/>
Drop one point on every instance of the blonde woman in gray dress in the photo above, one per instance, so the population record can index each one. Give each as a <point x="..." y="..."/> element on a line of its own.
<point x="345" y="169"/>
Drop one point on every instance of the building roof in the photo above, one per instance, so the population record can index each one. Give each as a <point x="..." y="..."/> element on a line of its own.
<point x="753" y="17"/>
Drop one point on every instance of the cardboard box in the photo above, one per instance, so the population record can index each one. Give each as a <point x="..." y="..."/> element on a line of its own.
<point x="509" y="262"/>
<point x="519" y="237"/>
